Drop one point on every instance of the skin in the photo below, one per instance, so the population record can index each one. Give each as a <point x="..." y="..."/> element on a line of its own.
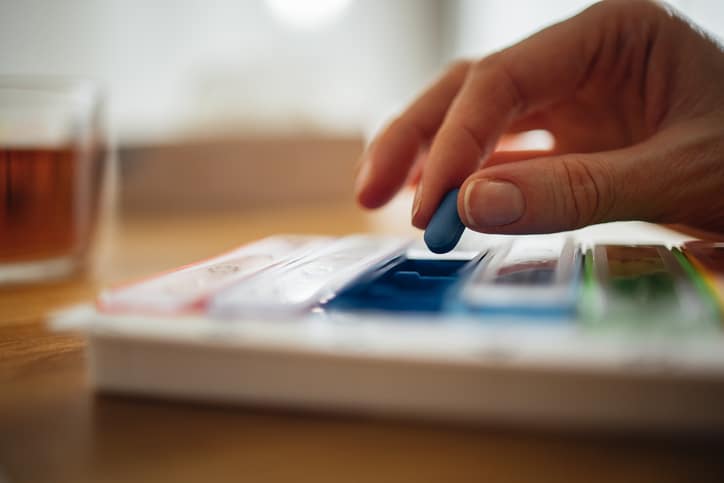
<point x="633" y="95"/>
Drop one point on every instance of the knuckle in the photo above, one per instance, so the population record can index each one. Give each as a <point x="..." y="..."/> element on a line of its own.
<point x="491" y="67"/>
<point x="645" y="7"/>
<point x="408" y="128"/>
<point x="459" y="67"/>
<point x="478" y="138"/>
<point x="496" y="70"/>
<point x="627" y="8"/>
<point x="617" y="19"/>
<point x="485" y="64"/>
<point x="588" y="194"/>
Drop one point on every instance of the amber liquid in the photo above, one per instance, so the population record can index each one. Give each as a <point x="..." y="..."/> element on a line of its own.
<point x="44" y="212"/>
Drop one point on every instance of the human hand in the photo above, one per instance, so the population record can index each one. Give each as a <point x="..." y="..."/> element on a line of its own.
<point x="633" y="96"/>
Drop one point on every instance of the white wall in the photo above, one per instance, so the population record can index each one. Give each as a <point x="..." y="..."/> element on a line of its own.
<point x="183" y="67"/>
<point x="174" y="67"/>
<point x="484" y="26"/>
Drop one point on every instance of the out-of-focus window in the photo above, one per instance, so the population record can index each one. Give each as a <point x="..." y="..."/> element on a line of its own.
<point x="193" y="67"/>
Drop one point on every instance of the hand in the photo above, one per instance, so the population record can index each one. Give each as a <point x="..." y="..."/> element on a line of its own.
<point x="633" y="96"/>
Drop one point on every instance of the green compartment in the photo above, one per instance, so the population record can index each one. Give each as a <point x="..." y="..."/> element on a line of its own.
<point x="645" y="288"/>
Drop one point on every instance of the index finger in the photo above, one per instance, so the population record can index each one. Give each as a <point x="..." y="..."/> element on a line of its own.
<point x="499" y="89"/>
<point x="392" y="154"/>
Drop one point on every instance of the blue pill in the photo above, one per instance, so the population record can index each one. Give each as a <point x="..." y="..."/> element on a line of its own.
<point x="445" y="228"/>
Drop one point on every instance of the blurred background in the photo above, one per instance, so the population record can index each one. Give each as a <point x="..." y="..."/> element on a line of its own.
<point x="233" y="104"/>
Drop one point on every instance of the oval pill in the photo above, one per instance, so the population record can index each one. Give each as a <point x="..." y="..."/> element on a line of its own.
<point x="445" y="228"/>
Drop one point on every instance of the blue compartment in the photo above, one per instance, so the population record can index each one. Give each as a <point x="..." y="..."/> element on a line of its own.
<point x="403" y="285"/>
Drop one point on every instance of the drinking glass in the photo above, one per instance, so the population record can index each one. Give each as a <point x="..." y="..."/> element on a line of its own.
<point x="53" y="160"/>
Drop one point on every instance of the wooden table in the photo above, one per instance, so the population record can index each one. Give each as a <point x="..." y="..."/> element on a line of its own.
<point x="53" y="428"/>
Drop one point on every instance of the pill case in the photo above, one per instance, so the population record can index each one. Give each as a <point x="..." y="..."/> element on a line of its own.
<point x="544" y="330"/>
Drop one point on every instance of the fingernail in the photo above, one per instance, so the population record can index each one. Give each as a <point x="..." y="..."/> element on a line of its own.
<point x="417" y="200"/>
<point x="364" y="173"/>
<point x="493" y="203"/>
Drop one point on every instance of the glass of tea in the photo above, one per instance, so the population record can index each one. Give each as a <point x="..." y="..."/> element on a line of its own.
<point x="53" y="158"/>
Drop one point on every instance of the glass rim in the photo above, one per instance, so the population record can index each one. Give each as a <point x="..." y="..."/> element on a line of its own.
<point x="79" y="88"/>
<point x="48" y="109"/>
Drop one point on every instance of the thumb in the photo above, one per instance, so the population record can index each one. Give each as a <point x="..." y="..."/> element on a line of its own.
<point x="558" y="193"/>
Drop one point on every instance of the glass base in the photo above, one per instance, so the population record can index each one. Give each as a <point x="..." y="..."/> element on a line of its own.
<point x="38" y="270"/>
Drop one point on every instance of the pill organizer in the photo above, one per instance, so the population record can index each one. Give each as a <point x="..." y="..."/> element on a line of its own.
<point x="549" y="330"/>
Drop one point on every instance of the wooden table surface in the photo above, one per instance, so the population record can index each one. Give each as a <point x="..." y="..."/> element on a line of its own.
<point x="54" y="428"/>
